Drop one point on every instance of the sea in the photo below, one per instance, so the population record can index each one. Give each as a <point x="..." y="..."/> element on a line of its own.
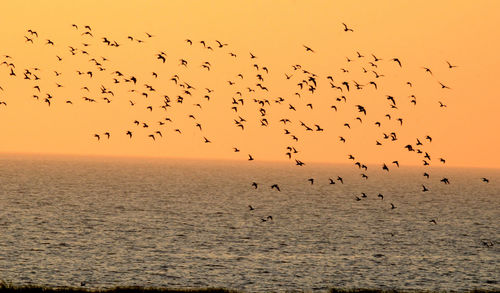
<point x="105" y="222"/>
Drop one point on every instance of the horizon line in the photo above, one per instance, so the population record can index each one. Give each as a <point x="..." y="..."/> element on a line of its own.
<point x="214" y="159"/>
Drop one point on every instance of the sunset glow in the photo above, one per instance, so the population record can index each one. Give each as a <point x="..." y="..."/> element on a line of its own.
<point x="423" y="34"/>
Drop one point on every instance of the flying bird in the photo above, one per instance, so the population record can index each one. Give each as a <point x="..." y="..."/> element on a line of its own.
<point x="451" y="66"/>
<point x="346" y="29"/>
<point x="275" y="186"/>
<point x="397" y="61"/>
<point x="308" y="49"/>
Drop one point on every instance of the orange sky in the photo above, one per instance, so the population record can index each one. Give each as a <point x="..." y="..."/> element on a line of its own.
<point x="423" y="33"/>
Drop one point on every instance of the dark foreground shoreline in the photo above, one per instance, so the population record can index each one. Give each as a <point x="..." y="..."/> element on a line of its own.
<point x="36" y="289"/>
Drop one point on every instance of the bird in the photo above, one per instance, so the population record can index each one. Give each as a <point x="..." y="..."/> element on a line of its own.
<point x="392" y="206"/>
<point x="220" y="44"/>
<point x="375" y="58"/>
<point x="451" y="66"/>
<point x="445" y="180"/>
<point x="275" y="186"/>
<point x="485" y="180"/>
<point x="255" y="185"/>
<point x="269" y="218"/>
<point x="161" y="57"/>
<point x="443" y="86"/>
<point x="361" y="109"/>
<point x="346" y="29"/>
<point x="397" y="61"/>
<point x="433" y="221"/>
<point x="308" y="49"/>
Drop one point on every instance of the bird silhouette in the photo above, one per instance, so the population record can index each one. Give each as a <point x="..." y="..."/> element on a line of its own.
<point x="450" y="66"/>
<point x="397" y="61"/>
<point x="308" y="49"/>
<point x="346" y="29"/>
<point x="443" y="86"/>
<point x="269" y="218"/>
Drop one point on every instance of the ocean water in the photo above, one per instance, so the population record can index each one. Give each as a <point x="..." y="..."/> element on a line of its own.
<point x="171" y="223"/>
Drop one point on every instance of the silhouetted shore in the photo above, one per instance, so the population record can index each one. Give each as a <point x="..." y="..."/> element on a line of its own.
<point x="33" y="288"/>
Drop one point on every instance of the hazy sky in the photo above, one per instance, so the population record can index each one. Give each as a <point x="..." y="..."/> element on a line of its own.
<point x="418" y="33"/>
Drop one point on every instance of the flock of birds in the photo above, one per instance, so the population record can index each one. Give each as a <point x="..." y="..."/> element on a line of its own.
<point x="251" y="94"/>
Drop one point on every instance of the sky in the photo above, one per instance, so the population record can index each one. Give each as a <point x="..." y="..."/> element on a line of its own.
<point x="418" y="33"/>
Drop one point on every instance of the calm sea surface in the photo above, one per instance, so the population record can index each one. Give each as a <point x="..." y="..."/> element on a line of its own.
<point x="113" y="222"/>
